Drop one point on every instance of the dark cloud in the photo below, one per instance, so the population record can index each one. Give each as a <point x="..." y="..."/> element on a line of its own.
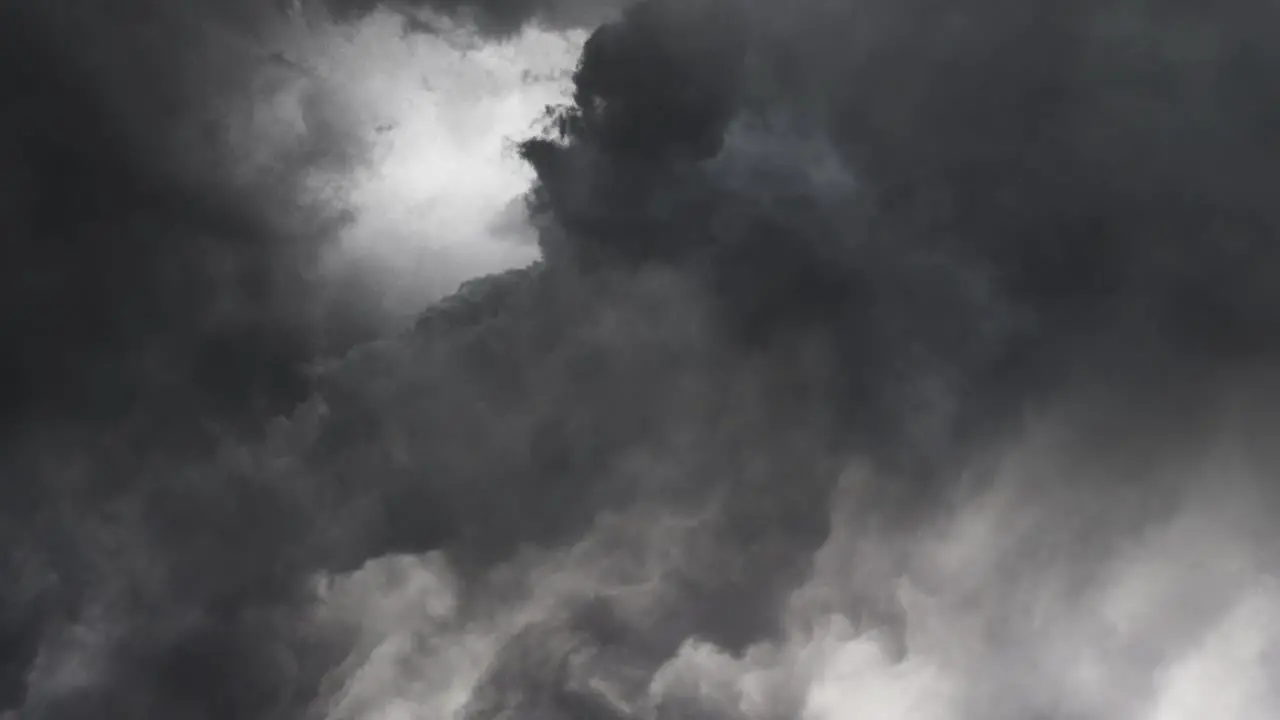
<point x="808" y="269"/>
<point x="155" y="283"/>
<point x="1089" y="157"/>
<point x="141" y="267"/>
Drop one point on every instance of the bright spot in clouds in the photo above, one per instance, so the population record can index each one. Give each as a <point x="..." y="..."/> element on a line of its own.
<point x="440" y="199"/>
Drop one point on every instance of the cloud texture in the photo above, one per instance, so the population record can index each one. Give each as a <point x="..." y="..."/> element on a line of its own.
<point x="886" y="359"/>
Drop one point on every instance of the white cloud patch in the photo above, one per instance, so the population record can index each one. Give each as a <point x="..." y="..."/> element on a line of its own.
<point x="436" y="197"/>
<point x="441" y="200"/>
<point x="1044" y="596"/>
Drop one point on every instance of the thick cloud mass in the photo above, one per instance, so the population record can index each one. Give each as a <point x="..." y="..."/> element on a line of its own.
<point x="886" y="360"/>
<point x="144" y="265"/>
<point x="156" y="258"/>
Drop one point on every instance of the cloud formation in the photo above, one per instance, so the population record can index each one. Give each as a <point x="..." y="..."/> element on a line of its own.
<point x="158" y="236"/>
<point x="885" y="360"/>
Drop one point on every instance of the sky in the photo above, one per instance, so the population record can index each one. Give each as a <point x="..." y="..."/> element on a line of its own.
<point x="441" y="200"/>
<point x="870" y="360"/>
<point x="438" y="197"/>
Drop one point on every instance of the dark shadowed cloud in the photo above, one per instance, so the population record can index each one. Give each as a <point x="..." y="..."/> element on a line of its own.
<point x="148" y="262"/>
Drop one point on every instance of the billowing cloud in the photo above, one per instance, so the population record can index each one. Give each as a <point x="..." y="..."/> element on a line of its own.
<point x="884" y="360"/>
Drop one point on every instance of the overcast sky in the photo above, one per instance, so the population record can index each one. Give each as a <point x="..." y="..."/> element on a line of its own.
<point x="884" y="364"/>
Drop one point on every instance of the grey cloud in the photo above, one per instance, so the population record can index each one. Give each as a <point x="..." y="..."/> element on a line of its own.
<point x="868" y="339"/>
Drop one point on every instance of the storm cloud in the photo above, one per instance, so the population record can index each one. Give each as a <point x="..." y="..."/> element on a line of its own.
<point x="885" y="359"/>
